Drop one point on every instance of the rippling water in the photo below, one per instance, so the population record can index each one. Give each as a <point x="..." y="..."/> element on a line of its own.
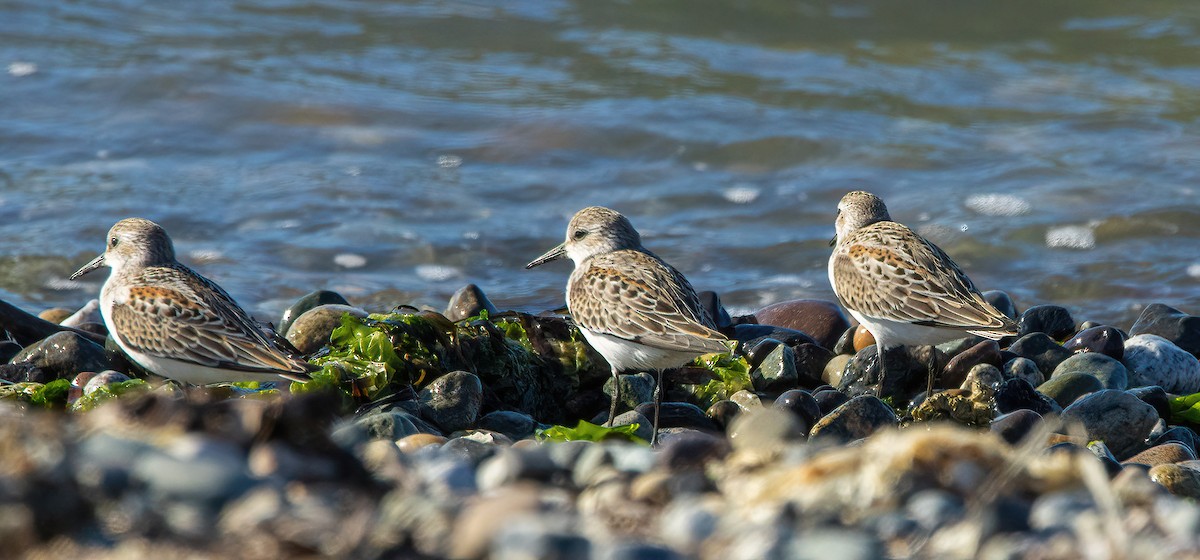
<point x="396" y="151"/>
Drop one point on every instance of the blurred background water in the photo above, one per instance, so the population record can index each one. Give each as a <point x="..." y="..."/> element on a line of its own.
<point x="395" y="151"/>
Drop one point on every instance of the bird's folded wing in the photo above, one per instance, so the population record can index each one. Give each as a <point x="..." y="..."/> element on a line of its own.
<point x="650" y="303"/>
<point x="180" y="324"/>
<point x="892" y="273"/>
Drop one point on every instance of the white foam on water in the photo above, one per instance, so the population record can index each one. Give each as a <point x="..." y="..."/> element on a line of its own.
<point x="742" y="194"/>
<point x="449" y="161"/>
<point x="1071" y="237"/>
<point x="22" y="69"/>
<point x="998" y="205"/>
<point x="1193" y="270"/>
<point x="350" y="260"/>
<point x="437" y="272"/>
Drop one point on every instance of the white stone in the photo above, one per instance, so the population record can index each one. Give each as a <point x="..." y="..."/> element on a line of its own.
<point x="1154" y="360"/>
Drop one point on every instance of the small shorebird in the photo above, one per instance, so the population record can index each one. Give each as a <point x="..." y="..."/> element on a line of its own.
<point x="899" y="285"/>
<point x="176" y="323"/>
<point x="632" y="307"/>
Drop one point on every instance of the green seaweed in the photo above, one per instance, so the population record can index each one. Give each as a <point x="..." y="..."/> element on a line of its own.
<point x="1185" y="408"/>
<point x="731" y="374"/>
<point x="52" y="395"/>
<point x="111" y="391"/>
<point x="587" y="431"/>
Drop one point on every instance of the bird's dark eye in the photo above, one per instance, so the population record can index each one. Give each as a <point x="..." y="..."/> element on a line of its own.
<point x="579" y="234"/>
<point x="113" y="242"/>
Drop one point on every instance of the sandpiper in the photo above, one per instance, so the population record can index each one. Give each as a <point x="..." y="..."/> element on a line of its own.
<point x="632" y="307"/>
<point x="899" y="285"/>
<point x="176" y="323"/>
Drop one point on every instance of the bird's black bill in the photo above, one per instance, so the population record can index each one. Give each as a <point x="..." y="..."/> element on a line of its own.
<point x="96" y="263"/>
<point x="553" y="254"/>
<point x="833" y="241"/>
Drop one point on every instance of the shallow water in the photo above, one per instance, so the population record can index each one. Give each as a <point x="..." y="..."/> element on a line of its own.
<point x="396" y="151"/>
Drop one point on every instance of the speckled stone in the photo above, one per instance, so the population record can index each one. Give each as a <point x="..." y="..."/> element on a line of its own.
<point x="1024" y="368"/>
<point x="1163" y="454"/>
<point x="1172" y="324"/>
<point x="1154" y="360"/>
<point x="1119" y="419"/>
<point x="857" y="418"/>
<point x="1101" y="340"/>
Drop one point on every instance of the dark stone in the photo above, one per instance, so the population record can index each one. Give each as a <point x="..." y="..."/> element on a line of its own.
<point x="712" y="303"/>
<point x="1004" y="515"/>
<point x="757" y="353"/>
<point x="469" y="450"/>
<point x="311" y="330"/>
<point x="1065" y="389"/>
<point x="822" y="320"/>
<point x="1042" y="349"/>
<point x="1178" y="434"/>
<point x="828" y="400"/>
<point x="1109" y="371"/>
<point x="1102" y="452"/>
<point x="845" y="343"/>
<point x="1119" y="419"/>
<point x="64" y="355"/>
<point x="391" y="424"/>
<point x="749" y="335"/>
<point x="802" y="404"/>
<point x="1002" y="302"/>
<point x="1015" y="425"/>
<point x="309" y="301"/>
<point x="776" y="371"/>
<point x="452" y="401"/>
<point x="515" y="425"/>
<point x="1101" y="340"/>
<point x="1018" y="394"/>
<point x="1171" y="324"/>
<point x="8" y="349"/>
<point x="679" y="415"/>
<point x="1154" y="396"/>
<point x="723" y="412"/>
<point x="810" y="362"/>
<point x="1054" y="321"/>
<point x="24" y="371"/>
<point x="908" y="369"/>
<point x="467" y="302"/>
<point x="955" y="372"/>
<point x="692" y="451"/>
<point x="857" y="418"/>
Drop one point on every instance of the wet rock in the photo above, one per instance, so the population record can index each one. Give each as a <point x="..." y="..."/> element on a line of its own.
<point x="1106" y="457"/>
<point x="908" y="370"/>
<point x="1163" y="454"/>
<point x="863" y="338"/>
<point x="413" y="443"/>
<point x="309" y="301"/>
<point x="467" y="302"/>
<point x="750" y="335"/>
<point x="452" y="401"/>
<point x="1018" y="394"/>
<point x="1133" y="486"/>
<point x="22" y="372"/>
<point x="822" y="320"/>
<point x="107" y="377"/>
<point x="468" y="449"/>
<point x="845" y="343"/>
<point x="766" y="429"/>
<point x="512" y="424"/>
<point x="1154" y="396"/>
<point x="983" y="381"/>
<point x="1002" y="302"/>
<point x="310" y="331"/>
<point x="712" y="303"/>
<point x="802" y="404"/>
<point x="1177" y="434"/>
<point x="1119" y="419"/>
<point x="959" y="345"/>
<point x="1172" y="324"/>
<point x="55" y="314"/>
<point x="692" y="451"/>
<point x="1042" y="349"/>
<point x="836" y="368"/>
<point x="810" y="364"/>
<point x="1054" y="321"/>
<point x="679" y="415"/>
<point x="746" y="399"/>
<point x="829" y="400"/>
<point x="8" y="349"/>
<point x="1154" y="360"/>
<point x="636" y="388"/>
<point x="723" y="412"/>
<point x="1015" y="425"/>
<point x="956" y="405"/>
<point x="645" y="429"/>
<point x="194" y="469"/>
<point x="1111" y="373"/>
<point x="509" y="465"/>
<point x="857" y="418"/>
<point x="1066" y="389"/>
<point x="955" y="372"/>
<point x="393" y="424"/>
<point x="1179" y="479"/>
<point x="63" y="355"/>
<point x="1024" y="368"/>
<point x="776" y="371"/>
<point x="1101" y="340"/>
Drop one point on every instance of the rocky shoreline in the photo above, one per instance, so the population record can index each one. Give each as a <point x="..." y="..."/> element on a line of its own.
<point x="432" y="434"/>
